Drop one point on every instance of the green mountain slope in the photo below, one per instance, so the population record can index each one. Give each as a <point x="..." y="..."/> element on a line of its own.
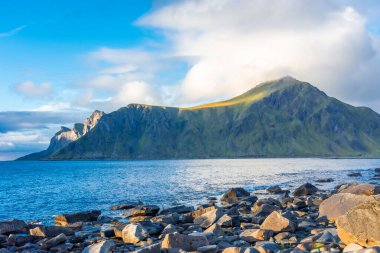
<point x="282" y="118"/>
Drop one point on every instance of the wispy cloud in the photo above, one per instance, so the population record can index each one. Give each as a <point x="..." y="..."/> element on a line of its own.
<point x="12" y="32"/>
<point x="31" y="90"/>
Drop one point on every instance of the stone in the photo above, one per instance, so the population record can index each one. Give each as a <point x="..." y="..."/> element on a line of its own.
<point x="377" y="170"/>
<point x="275" y="190"/>
<point x="233" y="250"/>
<point x="216" y="230"/>
<point x="12" y="226"/>
<point x="59" y="239"/>
<point x="134" y="233"/>
<point x="208" y="249"/>
<point x="189" y="217"/>
<point x="100" y="247"/>
<point x="253" y="235"/>
<point x="144" y="210"/>
<point x="170" y="218"/>
<point x="107" y="232"/>
<point x="355" y="174"/>
<point x="19" y="239"/>
<point x="154" y="248"/>
<point x="225" y="221"/>
<point x="50" y="231"/>
<point x="118" y="231"/>
<point x="233" y="194"/>
<point x="338" y="204"/>
<point x="267" y="247"/>
<point x="325" y="180"/>
<point x="361" y="225"/>
<point x="66" y="219"/>
<point x="278" y="223"/>
<point x="209" y="218"/>
<point x="177" y="209"/>
<point x="305" y="189"/>
<point x="126" y="205"/>
<point x="362" y="189"/>
<point x="251" y="250"/>
<point x="184" y="242"/>
<point x="352" y="247"/>
<point x="264" y="209"/>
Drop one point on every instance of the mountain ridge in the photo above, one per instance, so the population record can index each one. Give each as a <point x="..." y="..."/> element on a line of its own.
<point x="280" y="118"/>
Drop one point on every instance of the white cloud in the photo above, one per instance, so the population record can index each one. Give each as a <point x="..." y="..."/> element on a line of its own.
<point x="235" y="44"/>
<point x="135" y="92"/>
<point x="12" y="32"/>
<point x="32" y="90"/>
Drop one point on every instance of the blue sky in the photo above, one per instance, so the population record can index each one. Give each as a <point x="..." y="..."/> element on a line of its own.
<point x="60" y="60"/>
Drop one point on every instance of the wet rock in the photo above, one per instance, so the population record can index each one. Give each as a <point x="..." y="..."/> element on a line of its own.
<point x="177" y="209"/>
<point x="145" y="210"/>
<point x="361" y="225"/>
<point x="275" y="190"/>
<point x="338" y="204"/>
<point x="362" y="189"/>
<point x="325" y="180"/>
<point x="305" y="189"/>
<point x="66" y="219"/>
<point x="12" y="226"/>
<point x="100" y="247"/>
<point x="209" y="218"/>
<point x="278" y="223"/>
<point x="134" y="233"/>
<point x="50" y="231"/>
<point x="253" y="235"/>
<point x="355" y="174"/>
<point x="126" y="205"/>
<point x="59" y="239"/>
<point x="184" y="242"/>
<point x="208" y="249"/>
<point x="267" y="247"/>
<point x="233" y="195"/>
<point x="19" y="239"/>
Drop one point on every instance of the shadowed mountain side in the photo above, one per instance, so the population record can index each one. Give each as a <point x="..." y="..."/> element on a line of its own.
<point x="282" y="118"/>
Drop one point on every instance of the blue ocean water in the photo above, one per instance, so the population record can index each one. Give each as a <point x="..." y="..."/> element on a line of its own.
<point x="40" y="190"/>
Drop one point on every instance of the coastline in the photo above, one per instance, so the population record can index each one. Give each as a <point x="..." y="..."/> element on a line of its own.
<point x="279" y="221"/>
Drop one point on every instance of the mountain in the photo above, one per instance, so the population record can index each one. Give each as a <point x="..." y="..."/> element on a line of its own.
<point x="281" y="118"/>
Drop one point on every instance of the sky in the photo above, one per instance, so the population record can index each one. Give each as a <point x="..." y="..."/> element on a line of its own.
<point x="61" y="60"/>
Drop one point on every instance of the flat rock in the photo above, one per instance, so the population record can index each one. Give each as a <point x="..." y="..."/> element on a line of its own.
<point x="278" y="223"/>
<point x="134" y="233"/>
<point x="355" y="174"/>
<point x="177" y="209"/>
<point x="100" y="247"/>
<point x="126" y="205"/>
<point x="305" y="189"/>
<point x="59" y="239"/>
<point x="50" y="231"/>
<point x="12" y="226"/>
<point x="361" y="225"/>
<point x="253" y="235"/>
<point x="184" y="242"/>
<point x="209" y="218"/>
<point x="340" y="203"/>
<point x="144" y="210"/>
<point x="66" y="219"/>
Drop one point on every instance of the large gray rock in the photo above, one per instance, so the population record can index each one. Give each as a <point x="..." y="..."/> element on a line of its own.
<point x="278" y="223"/>
<point x="19" y="239"/>
<point x="100" y="247"/>
<point x="184" y="242"/>
<point x="234" y="194"/>
<point x="59" y="239"/>
<point x="12" y="226"/>
<point x="66" y="219"/>
<point x="305" y="189"/>
<point x="362" y="189"/>
<point x="50" y="231"/>
<point x="209" y="218"/>
<point x="340" y="203"/>
<point x="134" y="233"/>
<point x="361" y="225"/>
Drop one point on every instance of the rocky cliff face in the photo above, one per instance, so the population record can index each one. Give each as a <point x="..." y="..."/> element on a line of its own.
<point x="282" y="118"/>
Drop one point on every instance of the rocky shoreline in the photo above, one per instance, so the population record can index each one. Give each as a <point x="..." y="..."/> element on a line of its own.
<point x="346" y="219"/>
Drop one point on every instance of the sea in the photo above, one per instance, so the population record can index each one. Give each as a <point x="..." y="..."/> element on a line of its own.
<point x="38" y="190"/>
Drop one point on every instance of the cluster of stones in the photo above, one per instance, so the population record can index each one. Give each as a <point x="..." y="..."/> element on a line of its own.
<point x="308" y="220"/>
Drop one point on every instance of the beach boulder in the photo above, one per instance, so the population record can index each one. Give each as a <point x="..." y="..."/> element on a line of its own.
<point x="100" y="247"/>
<point x="253" y="235"/>
<point x="234" y="194"/>
<point x="209" y="218"/>
<point x="140" y="211"/>
<point x="12" y="226"/>
<point x="361" y="225"/>
<point x="305" y="189"/>
<point x="134" y="233"/>
<point x="362" y="189"/>
<point x="50" y="231"/>
<point x="340" y="203"/>
<point x="278" y="223"/>
<point x="66" y="219"/>
<point x="184" y="242"/>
